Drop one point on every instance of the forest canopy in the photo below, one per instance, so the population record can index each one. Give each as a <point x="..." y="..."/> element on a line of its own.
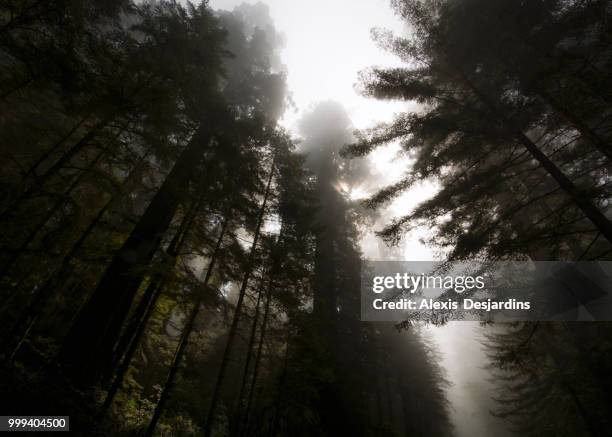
<point x="177" y="260"/>
<point x="514" y="125"/>
<point x="173" y="260"/>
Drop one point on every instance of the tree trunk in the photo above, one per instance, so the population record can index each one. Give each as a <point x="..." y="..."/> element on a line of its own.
<point x="247" y="362"/>
<point x="242" y="413"/>
<point x="178" y="355"/>
<point x="262" y="335"/>
<point x="5" y="94"/>
<point x="379" y="409"/>
<point x="107" y="117"/>
<point x="324" y="300"/>
<point x="562" y="364"/>
<point x="406" y="414"/>
<point x="236" y="319"/>
<point x="150" y="294"/>
<point x="574" y="121"/>
<point x="124" y="364"/>
<point x="601" y="222"/>
<point x="582" y="410"/>
<point x="47" y="153"/>
<point x="133" y="335"/>
<point x="4" y="270"/>
<point x="58" y="165"/>
<point x="281" y="387"/>
<point x="389" y="393"/>
<point x="88" y="348"/>
<point x="44" y="293"/>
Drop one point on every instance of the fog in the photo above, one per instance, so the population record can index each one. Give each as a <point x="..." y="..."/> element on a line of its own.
<point x="324" y="46"/>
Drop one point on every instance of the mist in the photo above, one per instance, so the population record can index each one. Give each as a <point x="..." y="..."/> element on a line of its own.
<point x="194" y="194"/>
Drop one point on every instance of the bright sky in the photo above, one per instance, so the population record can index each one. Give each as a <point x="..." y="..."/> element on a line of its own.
<point x="328" y="42"/>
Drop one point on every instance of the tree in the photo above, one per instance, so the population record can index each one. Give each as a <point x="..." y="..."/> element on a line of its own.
<point x="97" y="330"/>
<point x="170" y="251"/>
<point x="549" y="377"/>
<point x="477" y="130"/>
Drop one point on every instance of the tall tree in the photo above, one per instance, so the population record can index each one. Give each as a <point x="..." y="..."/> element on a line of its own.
<point x="477" y="130"/>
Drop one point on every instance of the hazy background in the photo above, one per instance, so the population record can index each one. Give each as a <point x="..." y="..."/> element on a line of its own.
<point x="325" y="45"/>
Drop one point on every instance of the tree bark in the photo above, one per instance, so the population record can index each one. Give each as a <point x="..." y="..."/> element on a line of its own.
<point x="281" y="387"/>
<point x="57" y="165"/>
<point x="324" y="286"/>
<point x="406" y="414"/>
<point x="4" y="270"/>
<point x="574" y="121"/>
<point x="88" y="348"/>
<point x="236" y="319"/>
<point x="601" y="222"/>
<point x="5" y="94"/>
<point x="30" y="316"/>
<point x="124" y="360"/>
<point x="178" y="355"/>
<point x="262" y="336"/>
<point x="247" y="362"/>
<point x="388" y="391"/>
<point x="47" y="153"/>
<point x="149" y="296"/>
